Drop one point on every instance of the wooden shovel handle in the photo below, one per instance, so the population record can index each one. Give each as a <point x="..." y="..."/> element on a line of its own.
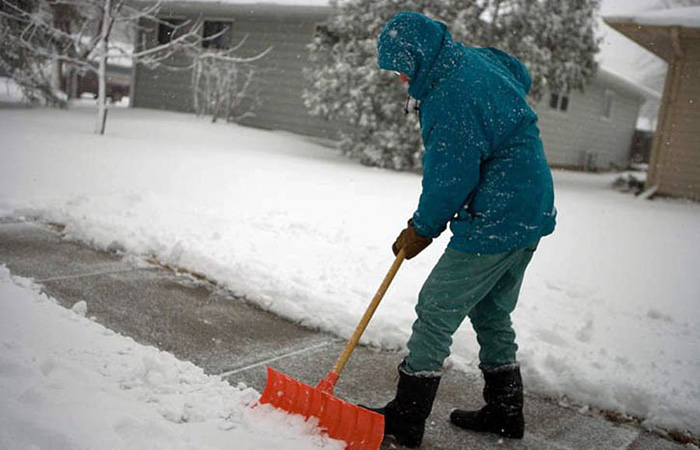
<point x="355" y="338"/>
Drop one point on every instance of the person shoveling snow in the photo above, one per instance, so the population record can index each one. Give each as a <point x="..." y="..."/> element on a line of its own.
<point x="484" y="173"/>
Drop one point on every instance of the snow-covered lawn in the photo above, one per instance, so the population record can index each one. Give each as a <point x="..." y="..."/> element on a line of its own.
<point x="69" y="383"/>
<point x="9" y="91"/>
<point x="609" y="313"/>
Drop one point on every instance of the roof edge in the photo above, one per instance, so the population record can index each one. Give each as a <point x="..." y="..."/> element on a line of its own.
<point x="687" y="17"/>
<point x="643" y="91"/>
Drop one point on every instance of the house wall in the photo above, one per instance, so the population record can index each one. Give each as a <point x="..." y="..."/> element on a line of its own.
<point x="168" y="89"/>
<point x="279" y="75"/>
<point x="582" y="135"/>
<point x="678" y="166"/>
<point x="282" y="81"/>
<point x="571" y="138"/>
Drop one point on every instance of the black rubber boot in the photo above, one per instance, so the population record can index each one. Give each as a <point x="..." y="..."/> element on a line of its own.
<point x="503" y="413"/>
<point x="405" y="416"/>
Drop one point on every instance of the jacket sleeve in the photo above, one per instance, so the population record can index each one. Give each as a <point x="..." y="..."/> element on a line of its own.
<point x="454" y="145"/>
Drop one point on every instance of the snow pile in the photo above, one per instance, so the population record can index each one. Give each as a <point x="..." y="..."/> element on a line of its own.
<point x="10" y="91"/>
<point x="69" y="383"/>
<point x="608" y="315"/>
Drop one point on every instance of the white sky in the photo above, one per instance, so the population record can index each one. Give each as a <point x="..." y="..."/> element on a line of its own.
<point x="619" y="53"/>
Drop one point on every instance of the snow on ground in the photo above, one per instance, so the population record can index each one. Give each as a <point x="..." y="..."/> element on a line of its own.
<point x="608" y="317"/>
<point x="69" y="383"/>
<point x="10" y="91"/>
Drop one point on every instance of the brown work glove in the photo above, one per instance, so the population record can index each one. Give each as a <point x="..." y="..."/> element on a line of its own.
<point x="410" y="241"/>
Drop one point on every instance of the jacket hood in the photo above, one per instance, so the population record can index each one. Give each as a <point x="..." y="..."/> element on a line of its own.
<point x="423" y="49"/>
<point x="416" y="46"/>
<point x="516" y="68"/>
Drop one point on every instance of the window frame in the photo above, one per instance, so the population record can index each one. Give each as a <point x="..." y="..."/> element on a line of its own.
<point x="554" y="100"/>
<point x="559" y="102"/>
<point x="174" y="23"/>
<point x="564" y="103"/>
<point x="214" y="44"/>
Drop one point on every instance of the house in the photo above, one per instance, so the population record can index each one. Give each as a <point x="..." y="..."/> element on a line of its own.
<point x="118" y="81"/>
<point x="674" y="36"/>
<point x="590" y="130"/>
<point x="286" y="28"/>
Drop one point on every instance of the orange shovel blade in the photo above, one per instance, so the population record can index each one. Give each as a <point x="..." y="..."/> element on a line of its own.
<point x="360" y="428"/>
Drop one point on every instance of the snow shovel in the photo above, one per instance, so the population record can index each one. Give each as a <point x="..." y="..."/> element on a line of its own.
<point x="360" y="428"/>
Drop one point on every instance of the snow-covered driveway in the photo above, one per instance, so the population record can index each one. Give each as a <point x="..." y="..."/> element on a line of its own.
<point x="609" y="313"/>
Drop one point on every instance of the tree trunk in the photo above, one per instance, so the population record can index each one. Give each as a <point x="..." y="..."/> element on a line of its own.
<point x="73" y="93"/>
<point x="102" y="71"/>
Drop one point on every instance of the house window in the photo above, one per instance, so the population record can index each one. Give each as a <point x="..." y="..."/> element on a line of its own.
<point x="564" y="103"/>
<point x="560" y="102"/>
<point x="608" y="104"/>
<point x="217" y="35"/>
<point x="167" y="28"/>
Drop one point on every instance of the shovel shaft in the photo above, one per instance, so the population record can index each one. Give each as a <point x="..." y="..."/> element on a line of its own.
<point x="355" y="338"/>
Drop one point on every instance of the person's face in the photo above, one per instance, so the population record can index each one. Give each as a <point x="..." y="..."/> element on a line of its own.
<point x="402" y="78"/>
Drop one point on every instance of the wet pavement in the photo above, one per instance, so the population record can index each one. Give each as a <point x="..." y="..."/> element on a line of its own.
<point x="196" y="321"/>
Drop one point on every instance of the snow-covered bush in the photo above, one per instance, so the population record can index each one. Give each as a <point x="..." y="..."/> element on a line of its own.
<point x="629" y="182"/>
<point x="555" y="39"/>
<point x="220" y="87"/>
<point x="224" y="85"/>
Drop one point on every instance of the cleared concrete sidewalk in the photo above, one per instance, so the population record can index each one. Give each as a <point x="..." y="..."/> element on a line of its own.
<point x="224" y="335"/>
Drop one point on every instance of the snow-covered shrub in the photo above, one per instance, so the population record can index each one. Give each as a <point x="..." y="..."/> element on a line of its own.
<point x="224" y="89"/>
<point x="630" y="183"/>
<point x="555" y="39"/>
<point x="224" y="84"/>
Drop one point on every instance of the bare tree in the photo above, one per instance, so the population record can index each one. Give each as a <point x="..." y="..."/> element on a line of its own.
<point x="44" y="39"/>
<point x="33" y="33"/>
<point x="224" y="84"/>
<point x="47" y="41"/>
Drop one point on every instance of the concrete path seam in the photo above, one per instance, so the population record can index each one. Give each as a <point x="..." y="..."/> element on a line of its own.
<point x="86" y="275"/>
<point x="302" y="351"/>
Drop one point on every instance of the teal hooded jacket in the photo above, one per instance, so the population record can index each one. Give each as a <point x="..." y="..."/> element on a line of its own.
<point x="484" y="168"/>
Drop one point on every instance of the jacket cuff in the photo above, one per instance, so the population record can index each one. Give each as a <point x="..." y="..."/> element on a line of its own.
<point x="421" y="229"/>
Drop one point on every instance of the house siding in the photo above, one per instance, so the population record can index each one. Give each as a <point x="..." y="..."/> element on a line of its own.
<point x="575" y="138"/>
<point x="163" y="89"/>
<point x="582" y="136"/>
<point x="280" y="76"/>
<point x="678" y="171"/>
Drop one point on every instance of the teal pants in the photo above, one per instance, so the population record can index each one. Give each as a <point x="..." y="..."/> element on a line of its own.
<point x="483" y="287"/>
